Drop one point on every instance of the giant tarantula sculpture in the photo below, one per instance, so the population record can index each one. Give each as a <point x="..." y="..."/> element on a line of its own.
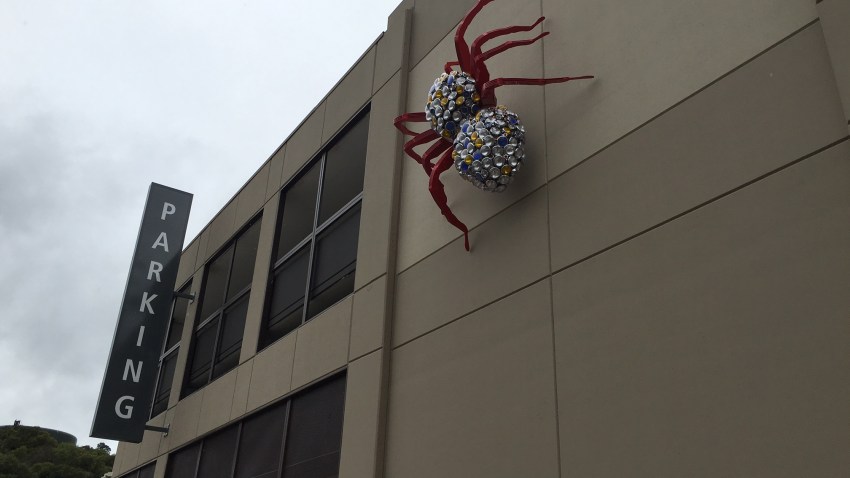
<point x="469" y="130"/>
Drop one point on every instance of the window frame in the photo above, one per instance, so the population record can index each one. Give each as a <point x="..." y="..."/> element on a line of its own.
<point x="174" y="350"/>
<point x="284" y="406"/>
<point x="219" y="314"/>
<point x="138" y="471"/>
<point x="311" y="240"/>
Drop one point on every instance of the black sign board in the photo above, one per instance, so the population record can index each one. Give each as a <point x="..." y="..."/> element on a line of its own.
<point x="128" y="384"/>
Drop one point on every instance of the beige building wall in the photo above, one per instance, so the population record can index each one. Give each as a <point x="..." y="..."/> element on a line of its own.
<point x="660" y="293"/>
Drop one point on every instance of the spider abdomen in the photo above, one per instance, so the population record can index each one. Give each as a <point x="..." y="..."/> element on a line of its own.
<point x="489" y="148"/>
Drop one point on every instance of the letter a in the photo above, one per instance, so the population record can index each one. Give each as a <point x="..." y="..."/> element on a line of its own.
<point x="162" y="240"/>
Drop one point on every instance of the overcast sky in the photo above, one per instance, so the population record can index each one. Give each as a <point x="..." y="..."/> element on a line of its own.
<point x="99" y="98"/>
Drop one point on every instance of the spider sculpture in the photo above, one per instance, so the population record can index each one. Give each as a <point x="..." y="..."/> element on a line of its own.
<point x="468" y="130"/>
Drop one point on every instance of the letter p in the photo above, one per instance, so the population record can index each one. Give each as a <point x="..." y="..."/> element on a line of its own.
<point x="167" y="208"/>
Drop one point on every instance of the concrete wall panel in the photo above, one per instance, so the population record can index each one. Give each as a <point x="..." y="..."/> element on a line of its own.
<point x="188" y="260"/>
<point x="275" y="172"/>
<point x="647" y="56"/>
<point x="390" y="48"/>
<point x="381" y="168"/>
<point x="476" y="398"/>
<point x="251" y="198"/>
<point x="222" y="228"/>
<point x="271" y="375"/>
<point x="159" y="469"/>
<point x="835" y="16"/>
<point x="127" y="456"/>
<point x="183" y="420"/>
<point x="322" y="343"/>
<point x="715" y="345"/>
<point x="432" y="21"/>
<point x="217" y="402"/>
<point x="360" y="427"/>
<point x="509" y="252"/>
<point x="203" y="240"/>
<point x="303" y="144"/>
<point x="759" y="118"/>
<point x="243" y="387"/>
<point x="149" y="448"/>
<point x="367" y="318"/>
<point x="349" y="95"/>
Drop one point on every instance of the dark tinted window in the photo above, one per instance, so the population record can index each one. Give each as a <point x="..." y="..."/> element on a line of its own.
<point x="166" y="377"/>
<point x="216" y="281"/>
<point x="168" y="359"/>
<point x="326" y="264"/>
<point x="178" y="318"/>
<point x="230" y="342"/>
<point x="299" y="208"/>
<point x="243" y="263"/>
<point x="218" y="453"/>
<point x="315" y="424"/>
<point x="261" y="443"/>
<point x="147" y="472"/>
<point x="344" y="168"/>
<point x="287" y="295"/>
<point x="218" y="336"/>
<point x="336" y="257"/>
<point x="183" y="463"/>
<point x="201" y="359"/>
<point x="308" y="427"/>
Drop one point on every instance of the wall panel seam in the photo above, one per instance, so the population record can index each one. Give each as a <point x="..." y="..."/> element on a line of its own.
<point x="705" y="203"/>
<point x="689" y="97"/>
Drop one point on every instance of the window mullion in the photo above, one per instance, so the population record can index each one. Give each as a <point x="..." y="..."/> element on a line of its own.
<point x="351" y="204"/>
<point x="216" y="344"/>
<point x="313" y="238"/>
<point x="168" y="327"/>
<point x="198" y="459"/>
<point x="291" y="253"/>
<point x="283" y="441"/>
<point x="229" y="273"/>
<point x="169" y="351"/>
<point x="236" y="449"/>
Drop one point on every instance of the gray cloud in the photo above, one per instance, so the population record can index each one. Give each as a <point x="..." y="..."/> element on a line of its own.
<point x="98" y="99"/>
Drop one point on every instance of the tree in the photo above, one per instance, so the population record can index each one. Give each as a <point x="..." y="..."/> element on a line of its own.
<point x="11" y="467"/>
<point x="29" y="452"/>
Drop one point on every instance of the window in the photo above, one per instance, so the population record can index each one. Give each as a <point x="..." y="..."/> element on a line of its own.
<point x="217" y="339"/>
<point x="315" y="255"/>
<point x="298" y="438"/>
<point x="145" y="472"/>
<point x="168" y="358"/>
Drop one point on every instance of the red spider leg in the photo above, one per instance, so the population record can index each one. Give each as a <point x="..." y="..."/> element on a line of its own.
<point x="480" y="69"/>
<point x="435" y="150"/>
<point x="421" y="138"/>
<point x="464" y="55"/>
<point x="488" y="96"/>
<point x="449" y="66"/>
<point x="438" y="192"/>
<point x="480" y="59"/>
<point x="409" y="117"/>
